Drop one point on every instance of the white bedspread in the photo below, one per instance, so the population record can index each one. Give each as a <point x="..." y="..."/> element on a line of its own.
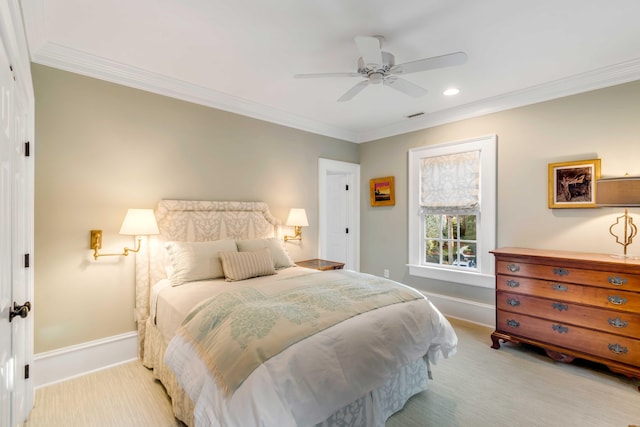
<point x="310" y="380"/>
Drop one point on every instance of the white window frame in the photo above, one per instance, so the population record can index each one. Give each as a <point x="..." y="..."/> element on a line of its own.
<point x="484" y="275"/>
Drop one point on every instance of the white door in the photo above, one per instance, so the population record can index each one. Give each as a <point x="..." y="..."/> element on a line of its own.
<point x="337" y="245"/>
<point x="339" y="212"/>
<point x="22" y="252"/>
<point x="16" y="219"/>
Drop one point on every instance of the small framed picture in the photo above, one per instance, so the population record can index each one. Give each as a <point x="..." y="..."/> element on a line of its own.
<point x="573" y="184"/>
<point x="382" y="191"/>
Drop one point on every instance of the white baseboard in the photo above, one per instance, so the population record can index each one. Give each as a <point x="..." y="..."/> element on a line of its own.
<point x="63" y="364"/>
<point x="471" y="311"/>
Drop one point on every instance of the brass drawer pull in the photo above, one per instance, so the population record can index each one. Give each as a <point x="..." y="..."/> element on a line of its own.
<point x="616" y="280"/>
<point x="513" y="302"/>
<point x="618" y="323"/>
<point x="560" y="307"/>
<point x="618" y="349"/>
<point x="560" y="329"/>
<point x="559" y="287"/>
<point x="512" y="323"/>
<point x="513" y="283"/>
<point x="514" y="268"/>
<point x="560" y="272"/>
<point x="616" y="300"/>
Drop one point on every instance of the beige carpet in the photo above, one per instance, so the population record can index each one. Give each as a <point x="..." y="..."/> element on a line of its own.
<point x="515" y="386"/>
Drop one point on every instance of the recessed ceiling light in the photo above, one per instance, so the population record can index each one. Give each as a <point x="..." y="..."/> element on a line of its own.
<point x="451" y="91"/>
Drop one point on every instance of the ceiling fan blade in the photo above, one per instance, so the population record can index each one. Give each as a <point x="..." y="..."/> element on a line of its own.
<point x="348" y="95"/>
<point x="369" y="48"/>
<point x="405" y="87"/>
<point x="442" y="61"/>
<point x="320" y="75"/>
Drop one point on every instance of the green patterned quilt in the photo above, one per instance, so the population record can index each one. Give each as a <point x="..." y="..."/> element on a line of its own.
<point x="238" y="330"/>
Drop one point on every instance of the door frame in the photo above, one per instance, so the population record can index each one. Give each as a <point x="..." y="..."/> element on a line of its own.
<point x="352" y="171"/>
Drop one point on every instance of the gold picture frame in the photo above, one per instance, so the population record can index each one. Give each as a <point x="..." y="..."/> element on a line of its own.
<point x="382" y="191"/>
<point x="573" y="184"/>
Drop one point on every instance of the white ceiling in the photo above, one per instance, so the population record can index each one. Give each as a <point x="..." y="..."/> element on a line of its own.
<point x="241" y="55"/>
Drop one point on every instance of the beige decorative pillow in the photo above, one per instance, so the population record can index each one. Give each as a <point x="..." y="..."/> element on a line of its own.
<point x="191" y="261"/>
<point x="279" y="254"/>
<point x="244" y="265"/>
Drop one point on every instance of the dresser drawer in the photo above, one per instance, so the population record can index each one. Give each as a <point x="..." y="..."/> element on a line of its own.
<point x="621" y="281"/>
<point x="614" y="347"/>
<point x="615" y="322"/>
<point x="569" y="292"/>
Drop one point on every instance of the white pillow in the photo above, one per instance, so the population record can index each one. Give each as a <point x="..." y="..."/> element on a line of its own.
<point x="192" y="261"/>
<point x="279" y="254"/>
<point x="245" y="265"/>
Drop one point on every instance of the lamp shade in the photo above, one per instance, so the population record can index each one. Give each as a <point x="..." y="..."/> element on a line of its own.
<point x="139" y="222"/>
<point x="297" y="217"/>
<point x="622" y="192"/>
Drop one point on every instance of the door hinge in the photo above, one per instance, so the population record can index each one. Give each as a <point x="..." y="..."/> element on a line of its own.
<point x="346" y="187"/>
<point x="346" y="230"/>
<point x="26" y="260"/>
<point x="26" y="372"/>
<point x="27" y="149"/>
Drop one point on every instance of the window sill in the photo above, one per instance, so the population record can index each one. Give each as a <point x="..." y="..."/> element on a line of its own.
<point x="456" y="276"/>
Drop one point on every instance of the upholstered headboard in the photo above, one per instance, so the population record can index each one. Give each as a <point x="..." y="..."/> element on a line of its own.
<point x="195" y="221"/>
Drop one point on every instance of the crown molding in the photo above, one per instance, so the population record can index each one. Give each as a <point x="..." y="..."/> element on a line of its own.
<point x="604" y="77"/>
<point x="62" y="57"/>
<point x="68" y="59"/>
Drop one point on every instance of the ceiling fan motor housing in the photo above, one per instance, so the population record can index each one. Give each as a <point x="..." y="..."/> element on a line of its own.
<point x="388" y="61"/>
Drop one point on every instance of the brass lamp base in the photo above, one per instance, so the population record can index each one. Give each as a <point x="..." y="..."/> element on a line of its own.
<point x="628" y="233"/>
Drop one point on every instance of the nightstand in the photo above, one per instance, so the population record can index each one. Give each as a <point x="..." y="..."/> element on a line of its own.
<point x="320" y="264"/>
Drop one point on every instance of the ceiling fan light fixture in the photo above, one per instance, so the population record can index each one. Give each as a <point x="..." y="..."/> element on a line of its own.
<point x="452" y="91"/>
<point x="375" y="78"/>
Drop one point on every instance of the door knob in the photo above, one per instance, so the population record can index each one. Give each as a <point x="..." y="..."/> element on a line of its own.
<point x="20" y="310"/>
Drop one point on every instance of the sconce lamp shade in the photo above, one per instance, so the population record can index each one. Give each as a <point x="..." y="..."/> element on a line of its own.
<point x="139" y="222"/>
<point x="297" y="217"/>
<point x="622" y="192"/>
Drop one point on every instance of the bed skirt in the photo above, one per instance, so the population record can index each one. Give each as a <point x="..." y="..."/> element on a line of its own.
<point x="371" y="410"/>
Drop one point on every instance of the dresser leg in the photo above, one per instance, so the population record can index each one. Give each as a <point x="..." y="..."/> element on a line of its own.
<point x="496" y="341"/>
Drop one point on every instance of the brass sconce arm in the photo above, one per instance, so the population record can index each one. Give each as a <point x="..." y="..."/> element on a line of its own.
<point x="96" y="245"/>
<point x="137" y="222"/>
<point x="297" y="231"/>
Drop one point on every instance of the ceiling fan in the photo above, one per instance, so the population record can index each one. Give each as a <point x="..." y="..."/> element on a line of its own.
<point x="379" y="67"/>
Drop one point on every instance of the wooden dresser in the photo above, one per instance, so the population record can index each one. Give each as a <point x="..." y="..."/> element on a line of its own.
<point x="571" y="304"/>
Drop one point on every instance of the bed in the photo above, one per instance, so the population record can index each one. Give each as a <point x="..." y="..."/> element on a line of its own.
<point x="350" y="354"/>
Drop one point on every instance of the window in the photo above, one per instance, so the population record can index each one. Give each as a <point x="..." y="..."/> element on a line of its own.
<point x="452" y="211"/>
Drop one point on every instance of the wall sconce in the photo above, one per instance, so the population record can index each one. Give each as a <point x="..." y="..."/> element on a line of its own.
<point x="137" y="222"/>
<point x="620" y="192"/>
<point x="298" y="219"/>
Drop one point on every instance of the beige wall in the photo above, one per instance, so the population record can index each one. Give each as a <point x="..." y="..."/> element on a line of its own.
<point x="102" y="148"/>
<point x="601" y="124"/>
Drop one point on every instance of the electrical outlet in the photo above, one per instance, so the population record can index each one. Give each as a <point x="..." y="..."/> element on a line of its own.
<point x="386" y="273"/>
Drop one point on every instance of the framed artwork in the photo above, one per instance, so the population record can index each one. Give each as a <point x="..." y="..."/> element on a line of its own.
<point x="573" y="184"/>
<point x="382" y="191"/>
